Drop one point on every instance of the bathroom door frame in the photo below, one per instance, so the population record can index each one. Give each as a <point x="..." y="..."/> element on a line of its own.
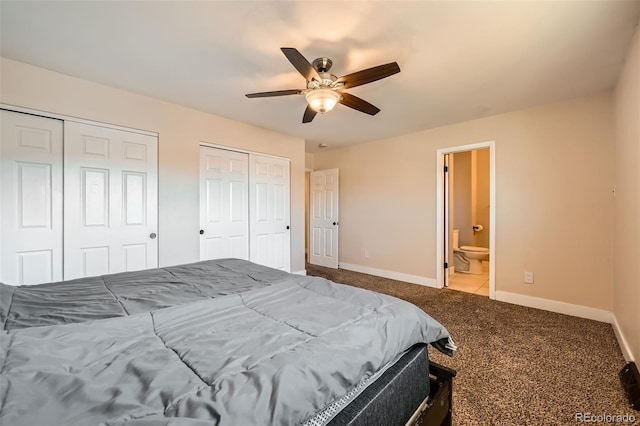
<point x="441" y="233"/>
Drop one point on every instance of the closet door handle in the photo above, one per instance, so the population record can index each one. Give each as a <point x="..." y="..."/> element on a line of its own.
<point x="153" y="235"/>
<point x="201" y="231"/>
<point x="288" y="226"/>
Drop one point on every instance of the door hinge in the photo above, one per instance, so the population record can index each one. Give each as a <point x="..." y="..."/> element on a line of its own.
<point x="446" y="169"/>
<point x="446" y="265"/>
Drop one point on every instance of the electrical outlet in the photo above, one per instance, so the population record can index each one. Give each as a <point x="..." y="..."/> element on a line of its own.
<point x="366" y="253"/>
<point x="528" y="277"/>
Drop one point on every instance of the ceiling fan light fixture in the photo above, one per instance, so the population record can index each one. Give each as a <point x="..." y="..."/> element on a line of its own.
<point x="324" y="90"/>
<point x="322" y="100"/>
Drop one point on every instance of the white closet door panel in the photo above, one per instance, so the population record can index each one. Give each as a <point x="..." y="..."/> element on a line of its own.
<point x="34" y="195"/>
<point x="135" y="195"/>
<point x="35" y="267"/>
<point x="323" y="222"/>
<point x="224" y="217"/>
<point x="214" y="203"/>
<point x="95" y="261"/>
<point x="269" y="206"/>
<point x="30" y="199"/>
<point x="135" y="255"/>
<point x="94" y="197"/>
<point x="110" y="204"/>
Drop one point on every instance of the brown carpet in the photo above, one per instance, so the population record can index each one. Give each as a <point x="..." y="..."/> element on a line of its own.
<point x="516" y="365"/>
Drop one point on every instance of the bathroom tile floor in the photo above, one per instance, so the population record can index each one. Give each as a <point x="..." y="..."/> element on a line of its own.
<point x="470" y="283"/>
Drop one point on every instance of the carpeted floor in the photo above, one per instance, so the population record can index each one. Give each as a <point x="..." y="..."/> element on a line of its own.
<point x="516" y="365"/>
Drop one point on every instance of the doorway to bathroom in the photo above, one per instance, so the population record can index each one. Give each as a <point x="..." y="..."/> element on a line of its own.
<point x="466" y="218"/>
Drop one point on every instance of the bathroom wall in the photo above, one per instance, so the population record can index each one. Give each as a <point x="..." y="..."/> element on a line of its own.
<point x="470" y="195"/>
<point x="462" y="178"/>
<point x="391" y="209"/>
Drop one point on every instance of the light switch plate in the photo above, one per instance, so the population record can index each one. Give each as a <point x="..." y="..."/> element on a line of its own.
<point x="528" y="277"/>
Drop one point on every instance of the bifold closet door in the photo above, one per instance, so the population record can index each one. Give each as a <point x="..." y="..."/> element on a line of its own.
<point x="224" y="204"/>
<point x="269" y="202"/>
<point x="110" y="201"/>
<point x="31" y="199"/>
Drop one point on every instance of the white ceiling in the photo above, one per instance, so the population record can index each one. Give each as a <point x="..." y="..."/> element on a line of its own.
<point x="459" y="60"/>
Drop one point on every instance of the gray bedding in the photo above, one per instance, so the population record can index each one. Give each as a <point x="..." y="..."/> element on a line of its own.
<point x="126" y="293"/>
<point x="276" y="352"/>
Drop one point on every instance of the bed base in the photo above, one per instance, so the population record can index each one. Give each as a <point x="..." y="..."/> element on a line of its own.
<point x="436" y="408"/>
<point x="413" y="381"/>
<point x="393" y="397"/>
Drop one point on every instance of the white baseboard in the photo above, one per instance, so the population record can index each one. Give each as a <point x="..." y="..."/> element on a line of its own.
<point x="554" y="306"/>
<point x="517" y="299"/>
<point x="302" y="272"/>
<point x="622" y="342"/>
<point x="414" y="279"/>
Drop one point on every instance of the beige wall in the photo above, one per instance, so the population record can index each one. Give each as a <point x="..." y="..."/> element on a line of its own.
<point x="554" y="212"/>
<point x="180" y="132"/>
<point x="483" y="163"/>
<point x="626" y="254"/>
<point x="308" y="161"/>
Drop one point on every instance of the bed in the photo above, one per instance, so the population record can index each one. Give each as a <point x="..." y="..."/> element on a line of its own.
<point x="223" y="342"/>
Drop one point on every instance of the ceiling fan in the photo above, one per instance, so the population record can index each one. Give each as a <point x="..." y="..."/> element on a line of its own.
<point x="324" y="90"/>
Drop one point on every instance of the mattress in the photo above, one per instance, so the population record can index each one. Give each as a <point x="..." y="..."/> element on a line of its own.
<point x="391" y="398"/>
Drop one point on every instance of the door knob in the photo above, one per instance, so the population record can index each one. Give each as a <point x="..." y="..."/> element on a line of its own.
<point x="335" y="223"/>
<point x="153" y="235"/>
<point x="201" y="231"/>
<point x="287" y="226"/>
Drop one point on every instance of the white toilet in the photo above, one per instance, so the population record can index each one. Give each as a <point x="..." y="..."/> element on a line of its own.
<point x="468" y="259"/>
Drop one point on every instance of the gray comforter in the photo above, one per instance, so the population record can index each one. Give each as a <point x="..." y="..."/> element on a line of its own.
<point x="267" y="355"/>
<point x="127" y="293"/>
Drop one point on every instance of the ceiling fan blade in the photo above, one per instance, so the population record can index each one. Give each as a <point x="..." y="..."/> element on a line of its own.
<point x="275" y="93"/>
<point x="309" y="114"/>
<point x="358" y="104"/>
<point x="300" y="63"/>
<point x="369" y="75"/>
